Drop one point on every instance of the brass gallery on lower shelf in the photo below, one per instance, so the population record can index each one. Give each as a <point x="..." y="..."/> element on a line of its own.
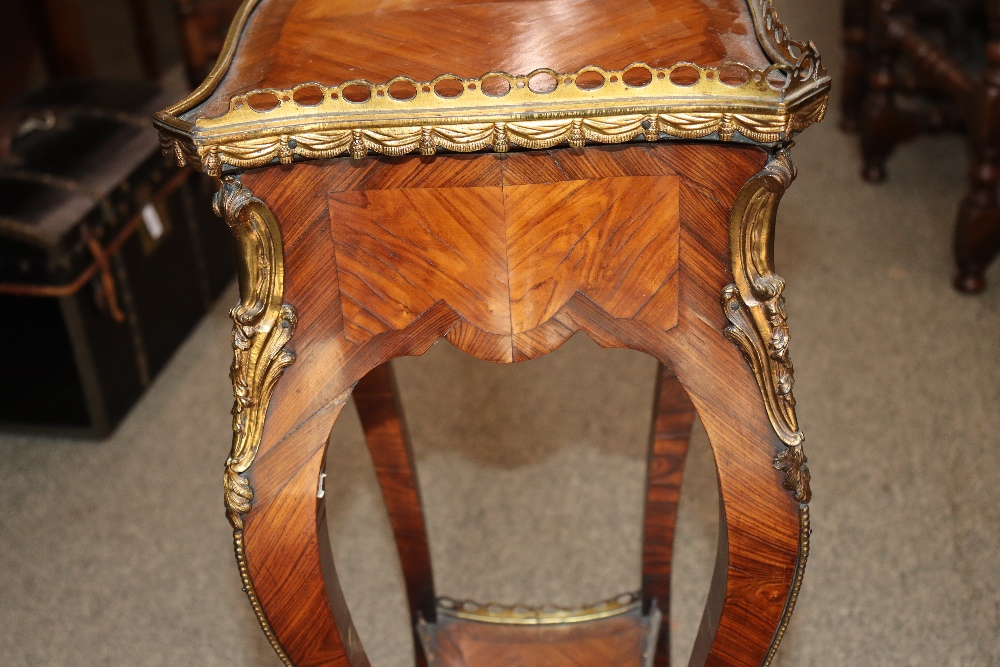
<point x="527" y="615"/>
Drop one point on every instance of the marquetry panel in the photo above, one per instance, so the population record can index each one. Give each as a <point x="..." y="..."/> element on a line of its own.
<point x="615" y="241"/>
<point x="401" y="250"/>
<point x="506" y="259"/>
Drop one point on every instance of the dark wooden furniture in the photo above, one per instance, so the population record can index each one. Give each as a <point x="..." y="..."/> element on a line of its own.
<point x="549" y="196"/>
<point x="53" y="31"/>
<point x="203" y="25"/>
<point x="916" y="66"/>
<point x="104" y="255"/>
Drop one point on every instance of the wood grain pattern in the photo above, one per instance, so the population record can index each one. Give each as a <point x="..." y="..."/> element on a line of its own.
<point x="288" y="42"/>
<point x="616" y="242"/>
<point x="287" y="555"/>
<point x="381" y="414"/>
<point x="673" y="416"/>
<point x="393" y="244"/>
<point x="494" y="256"/>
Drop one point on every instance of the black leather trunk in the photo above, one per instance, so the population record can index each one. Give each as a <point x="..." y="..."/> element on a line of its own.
<point x="95" y="297"/>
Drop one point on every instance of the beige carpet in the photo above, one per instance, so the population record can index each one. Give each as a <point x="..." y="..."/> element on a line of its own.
<point x="118" y="553"/>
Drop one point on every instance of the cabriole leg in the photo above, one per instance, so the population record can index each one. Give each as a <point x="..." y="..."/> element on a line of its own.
<point x="377" y="399"/>
<point x="673" y="415"/>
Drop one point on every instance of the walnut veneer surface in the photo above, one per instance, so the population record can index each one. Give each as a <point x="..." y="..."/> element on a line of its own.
<point x="288" y="42"/>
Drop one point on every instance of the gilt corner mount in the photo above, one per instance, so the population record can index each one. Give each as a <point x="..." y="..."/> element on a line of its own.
<point x="262" y="325"/>
<point x="755" y="307"/>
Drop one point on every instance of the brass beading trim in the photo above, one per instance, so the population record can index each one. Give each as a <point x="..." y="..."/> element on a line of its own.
<point x="755" y="307"/>
<point x="262" y="325"/>
<point x="805" y="531"/>
<point x="468" y="610"/>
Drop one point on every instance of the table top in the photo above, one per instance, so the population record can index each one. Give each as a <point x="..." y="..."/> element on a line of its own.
<point x="303" y="79"/>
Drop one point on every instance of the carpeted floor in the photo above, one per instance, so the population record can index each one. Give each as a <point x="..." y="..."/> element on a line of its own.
<point x="118" y="553"/>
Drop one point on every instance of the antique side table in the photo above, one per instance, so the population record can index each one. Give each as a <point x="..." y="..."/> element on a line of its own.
<point x="503" y="175"/>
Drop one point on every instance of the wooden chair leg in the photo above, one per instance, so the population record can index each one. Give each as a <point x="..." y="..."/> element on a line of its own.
<point x="977" y="232"/>
<point x="377" y="400"/>
<point x="59" y="25"/>
<point x="880" y="120"/>
<point x="192" y="41"/>
<point x="673" y="415"/>
<point x="854" y="77"/>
